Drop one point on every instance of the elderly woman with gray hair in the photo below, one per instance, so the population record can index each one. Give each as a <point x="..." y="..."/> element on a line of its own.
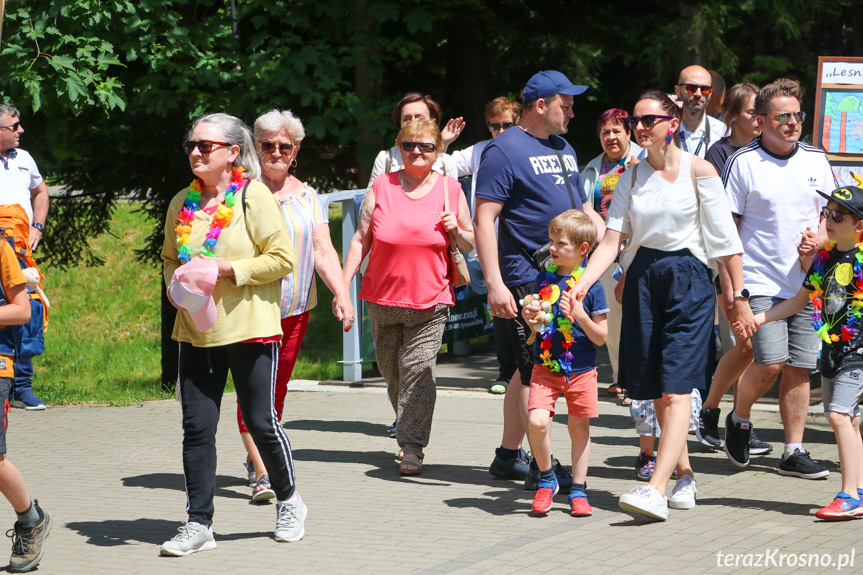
<point x="225" y="250"/>
<point x="278" y="135"/>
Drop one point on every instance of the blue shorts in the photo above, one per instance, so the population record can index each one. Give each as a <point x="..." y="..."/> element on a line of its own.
<point x="667" y="325"/>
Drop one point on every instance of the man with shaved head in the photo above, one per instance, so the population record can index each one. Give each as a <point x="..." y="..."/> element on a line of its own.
<point x="698" y="131"/>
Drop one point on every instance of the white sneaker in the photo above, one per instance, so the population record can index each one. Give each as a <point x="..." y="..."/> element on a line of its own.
<point x="291" y="519"/>
<point x="192" y="537"/>
<point x="683" y="494"/>
<point x="645" y="500"/>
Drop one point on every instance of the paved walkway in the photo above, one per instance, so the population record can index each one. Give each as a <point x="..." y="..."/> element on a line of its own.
<point x="112" y="478"/>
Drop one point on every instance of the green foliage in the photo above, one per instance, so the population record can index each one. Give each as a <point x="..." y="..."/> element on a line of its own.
<point x="108" y="88"/>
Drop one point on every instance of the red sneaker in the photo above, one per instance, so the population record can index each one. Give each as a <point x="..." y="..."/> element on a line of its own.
<point x="542" y="500"/>
<point x="843" y="507"/>
<point x="580" y="507"/>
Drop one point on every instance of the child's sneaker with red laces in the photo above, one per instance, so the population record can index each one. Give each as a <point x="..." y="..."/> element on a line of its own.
<point x="542" y="499"/>
<point x="843" y="507"/>
<point x="579" y="507"/>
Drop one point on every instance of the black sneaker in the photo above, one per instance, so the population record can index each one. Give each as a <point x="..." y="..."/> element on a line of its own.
<point x="27" y="545"/>
<point x="708" y="427"/>
<point x="515" y="468"/>
<point x="563" y="475"/>
<point x="531" y="482"/>
<point x="799" y="464"/>
<point x="736" y="442"/>
<point x="756" y="446"/>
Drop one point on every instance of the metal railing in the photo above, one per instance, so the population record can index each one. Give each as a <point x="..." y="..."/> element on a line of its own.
<point x="352" y="361"/>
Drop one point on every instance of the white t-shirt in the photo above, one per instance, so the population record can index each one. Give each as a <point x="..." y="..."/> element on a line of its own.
<point x="19" y="175"/>
<point x="708" y="133"/>
<point x="467" y="164"/>
<point x="775" y="198"/>
<point x="667" y="216"/>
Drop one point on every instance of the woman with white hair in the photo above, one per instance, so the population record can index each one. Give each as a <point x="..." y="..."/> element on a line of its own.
<point x="278" y="135"/>
<point x="225" y="250"/>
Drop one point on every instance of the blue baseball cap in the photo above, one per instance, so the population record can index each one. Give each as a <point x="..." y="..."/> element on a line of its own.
<point x="550" y="82"/>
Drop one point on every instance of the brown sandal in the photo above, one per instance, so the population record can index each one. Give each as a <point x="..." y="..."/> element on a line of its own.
<point x="411" y="467"/>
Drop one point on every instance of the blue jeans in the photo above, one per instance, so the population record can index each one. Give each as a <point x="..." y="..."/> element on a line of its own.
<point x="23" y="375"/>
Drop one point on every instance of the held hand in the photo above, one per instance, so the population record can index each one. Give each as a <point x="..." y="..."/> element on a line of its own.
<point x="344" y="311"/>
<point x="452" y="130"/>
<point x="565" y="304"/>
<point x="808" y="243"/>
<point x="450" y="221"/>
<point x="500" y="302"/>
<point x="741" y="314"/>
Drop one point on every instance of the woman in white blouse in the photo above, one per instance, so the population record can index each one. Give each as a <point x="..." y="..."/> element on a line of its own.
<point x="676" y="228"/>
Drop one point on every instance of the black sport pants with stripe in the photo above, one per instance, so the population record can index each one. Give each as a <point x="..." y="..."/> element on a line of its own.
<point x="203" y="373"/>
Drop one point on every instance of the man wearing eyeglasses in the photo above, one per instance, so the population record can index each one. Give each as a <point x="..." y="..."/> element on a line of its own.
<point x="698" y="130"/>
<point x="22" y="184"/>
<point x="527" y="175"/>
<point x="772" y="184"/>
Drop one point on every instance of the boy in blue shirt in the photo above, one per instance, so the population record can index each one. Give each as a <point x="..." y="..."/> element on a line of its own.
<point x="834" y="284"/>
<point x="564" y="357"/>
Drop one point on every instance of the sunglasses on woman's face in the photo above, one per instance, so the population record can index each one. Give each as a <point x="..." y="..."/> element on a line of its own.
<point x="647" y="120"/>
<point x="834" y="215"/>
<point x="423" y="146"/>
<point x="204" y="146"/>
<point x="270" y="147"/>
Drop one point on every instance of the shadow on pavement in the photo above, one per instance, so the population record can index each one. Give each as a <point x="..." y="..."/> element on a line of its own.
<point x="153" y="531"/>
<point x="125" y="532"/>
<point x="517" y="502"/>
<point x="362" y="427"/>
<point x="176" y="482"/>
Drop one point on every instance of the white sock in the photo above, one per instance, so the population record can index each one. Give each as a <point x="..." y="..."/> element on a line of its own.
<point x="790" y="447"/>
<point x="739" y="420"/>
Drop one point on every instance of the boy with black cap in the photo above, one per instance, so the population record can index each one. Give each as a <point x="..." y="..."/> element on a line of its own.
<point x="834" y="284"/>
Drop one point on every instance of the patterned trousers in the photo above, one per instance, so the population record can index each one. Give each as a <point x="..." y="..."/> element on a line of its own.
<point x="406" y="344"/>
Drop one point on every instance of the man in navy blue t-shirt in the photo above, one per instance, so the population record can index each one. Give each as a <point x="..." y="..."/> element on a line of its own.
<point x="527" y="176"/>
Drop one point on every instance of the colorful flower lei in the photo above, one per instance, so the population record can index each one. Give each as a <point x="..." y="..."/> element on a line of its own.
<point x="564" y="326"/>
<point x="221" y="218"/>
<point x="852" y="312"/>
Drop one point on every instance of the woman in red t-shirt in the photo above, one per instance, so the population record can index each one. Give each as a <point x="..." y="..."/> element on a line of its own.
<point x="408" y="283"/>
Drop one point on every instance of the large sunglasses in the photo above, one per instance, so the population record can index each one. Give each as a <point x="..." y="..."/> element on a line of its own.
<point x="785" y="117"/>
<point x="495" y="126"/>
<point x="204" y="146"/>
<point x="12" y="127"/>
<point x="692" y="88"/>
<point x="423" y="146"/>
<point x="270" y="147"/>
<point x="834" y="215"/>
<point x="647" y="120"/>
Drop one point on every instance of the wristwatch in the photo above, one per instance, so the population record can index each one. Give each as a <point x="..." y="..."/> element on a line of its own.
<point x="743" y="294"/>
<point x="38" y="226"/>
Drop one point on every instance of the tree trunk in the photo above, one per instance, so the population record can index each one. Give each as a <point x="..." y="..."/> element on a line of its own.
<point x="467" y="71"/>
<point x="368" y="90"/>
<point x="170" y="348"/>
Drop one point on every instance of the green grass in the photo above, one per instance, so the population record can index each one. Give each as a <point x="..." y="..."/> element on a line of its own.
<point x="103" y="339"/>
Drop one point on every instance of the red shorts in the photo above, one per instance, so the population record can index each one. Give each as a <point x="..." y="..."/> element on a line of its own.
<point x="580" y="390"/>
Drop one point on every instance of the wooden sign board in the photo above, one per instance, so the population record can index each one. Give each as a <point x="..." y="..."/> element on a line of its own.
<point x="838" y="126"/>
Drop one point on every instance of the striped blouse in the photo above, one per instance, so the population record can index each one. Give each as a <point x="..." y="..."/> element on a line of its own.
<point x="303" y="213"/>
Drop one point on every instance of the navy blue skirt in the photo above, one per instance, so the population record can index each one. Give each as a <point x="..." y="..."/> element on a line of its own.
<point x="667" y="325"/>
